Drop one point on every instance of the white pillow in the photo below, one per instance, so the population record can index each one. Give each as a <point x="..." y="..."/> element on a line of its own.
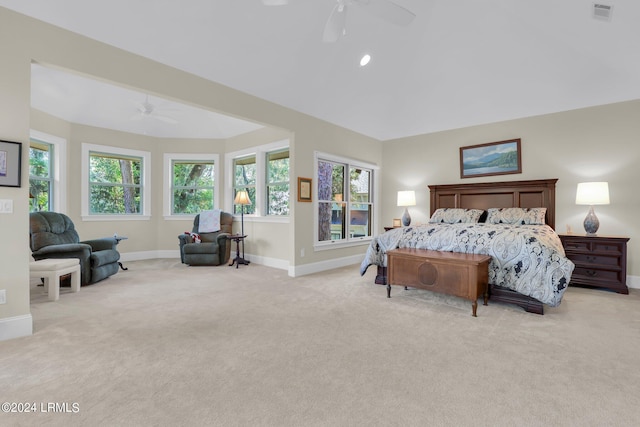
<point x="520" y="216"/>
<point x="455" y="215"/>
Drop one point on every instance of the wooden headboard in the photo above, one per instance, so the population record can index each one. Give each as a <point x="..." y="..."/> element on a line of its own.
<point x="508" y="194"/>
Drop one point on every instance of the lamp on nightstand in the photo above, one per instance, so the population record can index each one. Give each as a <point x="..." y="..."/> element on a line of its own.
<point x="406" y="198"/>
<point x="592" y="193"/>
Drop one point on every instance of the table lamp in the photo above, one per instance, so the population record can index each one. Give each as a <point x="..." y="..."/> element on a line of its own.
<point x="592" y="193"/>
<point x="242" y="199"/>
<point x="406" y="198"/>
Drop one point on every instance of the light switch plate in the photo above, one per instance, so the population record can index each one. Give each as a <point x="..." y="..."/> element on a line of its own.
<point x="6" y="206"/>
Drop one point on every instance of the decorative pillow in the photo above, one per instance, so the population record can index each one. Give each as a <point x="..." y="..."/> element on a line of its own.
<point x="455" y="215"/>
<point x="521" y="216"/>
<point x="195" y="237"/>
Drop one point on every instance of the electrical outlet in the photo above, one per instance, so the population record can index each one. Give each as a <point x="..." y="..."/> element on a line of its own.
<point x="302" y="253"/>
<point x="3" y="296"/>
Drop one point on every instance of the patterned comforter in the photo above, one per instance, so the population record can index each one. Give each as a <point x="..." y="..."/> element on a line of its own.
<point x="528" y="259"/>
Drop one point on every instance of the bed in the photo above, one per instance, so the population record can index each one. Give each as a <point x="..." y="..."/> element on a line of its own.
<point x="528" y="266"/>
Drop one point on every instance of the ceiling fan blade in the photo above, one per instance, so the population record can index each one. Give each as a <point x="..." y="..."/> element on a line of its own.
<point x="389" y="11"/>
<point x="336" y="24"/>
<point x="275" y="2"/>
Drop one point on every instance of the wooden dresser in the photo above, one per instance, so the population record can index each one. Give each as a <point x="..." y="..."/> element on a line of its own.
<point x="601" y="261"/>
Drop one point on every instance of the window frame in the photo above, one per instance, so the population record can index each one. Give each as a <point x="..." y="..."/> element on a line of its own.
<point x="167" y="172"/>
<point x="260" y="153"/>
<point x="269" y="184"/>
<point x="374" y="183"/>
<point x="58" y="164"/>
<point x="145" y="179"/>
<point x="235" y="188"/>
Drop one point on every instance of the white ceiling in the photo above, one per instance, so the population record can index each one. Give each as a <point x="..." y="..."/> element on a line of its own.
<point x="78" y="99"/>
<point x="459" y="63"/>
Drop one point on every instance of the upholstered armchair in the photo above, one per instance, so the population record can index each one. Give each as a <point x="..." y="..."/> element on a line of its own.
<point x="53" y="235"/>
<point x="214" y="247"/>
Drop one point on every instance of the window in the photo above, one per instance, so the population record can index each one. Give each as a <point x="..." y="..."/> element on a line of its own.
<point x="262" y="171"/>
<point x="278" y="182"/>
<point x="41" y="155"/>
<point x="245" y="174"/>
<point x="189" y="183"/>
<point x="192" y="186"/>
<point x="47" y="172"/>
<point x="115" y="182"/>
<point x="345" y="206"/>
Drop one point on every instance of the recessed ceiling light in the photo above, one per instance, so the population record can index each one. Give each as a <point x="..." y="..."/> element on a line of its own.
<point x="365" y="60"/>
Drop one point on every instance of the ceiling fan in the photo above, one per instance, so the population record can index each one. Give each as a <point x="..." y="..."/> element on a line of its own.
<point x="148" y="110"/>
<point x="336" y="26"/>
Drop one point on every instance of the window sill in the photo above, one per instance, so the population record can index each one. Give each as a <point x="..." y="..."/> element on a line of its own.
<point x="337" y="244"/>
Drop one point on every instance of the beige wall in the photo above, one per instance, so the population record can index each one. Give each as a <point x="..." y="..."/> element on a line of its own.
<point x="23" y="40"/>
<point x="593" y="144"/>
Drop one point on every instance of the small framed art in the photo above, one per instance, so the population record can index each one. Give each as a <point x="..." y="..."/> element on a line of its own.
<point x="10" y="163"/>
<point x="494" y="158"/>
<point x="304" y="189"/>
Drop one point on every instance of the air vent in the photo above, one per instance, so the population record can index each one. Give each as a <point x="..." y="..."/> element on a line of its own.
<point x="602" y="11"/>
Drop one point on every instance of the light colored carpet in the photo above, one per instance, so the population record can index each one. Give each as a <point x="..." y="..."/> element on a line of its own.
<point x="166" y="344"/>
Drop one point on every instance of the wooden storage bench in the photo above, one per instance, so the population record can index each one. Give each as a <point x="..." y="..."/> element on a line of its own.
<point x="459" y="274"/>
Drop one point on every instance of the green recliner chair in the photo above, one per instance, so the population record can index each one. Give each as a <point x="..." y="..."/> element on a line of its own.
<point x="215" y="247"/>
<point x="53" y="235"/>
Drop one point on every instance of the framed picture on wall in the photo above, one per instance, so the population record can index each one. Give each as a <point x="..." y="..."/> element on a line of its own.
<point x="10" y="163"/>
<point x="304" y="189"/>
<point x="493" y="158"/>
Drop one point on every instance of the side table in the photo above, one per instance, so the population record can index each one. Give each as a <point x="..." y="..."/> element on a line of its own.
<point x="601" y="261"/>
<point x="118" y="240"/>
<point x="238" y="259"/>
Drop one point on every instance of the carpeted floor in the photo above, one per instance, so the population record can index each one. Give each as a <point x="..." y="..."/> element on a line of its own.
<point x="163" y="344"/>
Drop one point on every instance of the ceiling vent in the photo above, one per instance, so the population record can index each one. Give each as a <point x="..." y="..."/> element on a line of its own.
<point x="602" y="11"/>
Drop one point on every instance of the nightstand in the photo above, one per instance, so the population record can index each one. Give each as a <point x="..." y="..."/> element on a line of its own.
<point x="601" y="261"/>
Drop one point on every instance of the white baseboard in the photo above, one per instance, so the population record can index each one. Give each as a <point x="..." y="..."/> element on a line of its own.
<point x="633" y="282"/>
<point x="139" y="256"/>
<point x="16" y="327"/>
<point x="280" y="264"/>
<point x="318" y="267"/>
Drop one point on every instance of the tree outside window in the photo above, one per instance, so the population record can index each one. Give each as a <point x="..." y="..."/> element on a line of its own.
<point x="278" y="182"/>
<point x="345" y="208"/>
<point x="245" y="174"/>
<point x="115" y="185"/>
<point x="40" y="176"/>
<point x="192" y="186"/>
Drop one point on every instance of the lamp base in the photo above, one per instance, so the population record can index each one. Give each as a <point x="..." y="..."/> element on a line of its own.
<point x="591" y="223"/>
<point x="406" y="218"/>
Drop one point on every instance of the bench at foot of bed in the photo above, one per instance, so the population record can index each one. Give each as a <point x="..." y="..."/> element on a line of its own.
<point x="459" y="274"/>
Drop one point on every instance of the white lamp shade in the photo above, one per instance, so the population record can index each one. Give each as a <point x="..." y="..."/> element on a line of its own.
<point x="242" y="198"/>
<point x="406" y="198"/>
<point x="592" y="193"/>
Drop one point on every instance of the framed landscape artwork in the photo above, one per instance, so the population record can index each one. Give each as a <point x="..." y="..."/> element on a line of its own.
<point x="10" y="163"/>
<point x="493" y="158"/>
